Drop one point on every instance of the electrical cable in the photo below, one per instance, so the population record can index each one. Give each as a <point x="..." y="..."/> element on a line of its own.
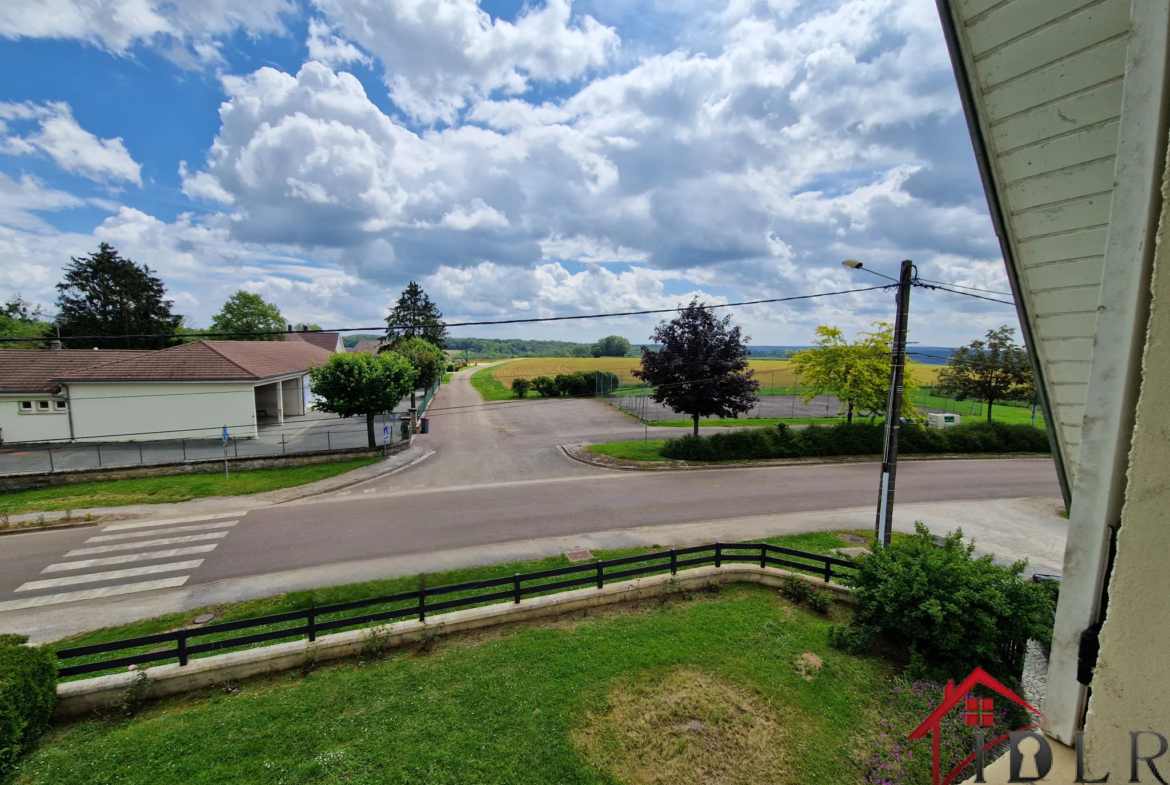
<point x="453" y="324"/>
<point x="972" y="288"/>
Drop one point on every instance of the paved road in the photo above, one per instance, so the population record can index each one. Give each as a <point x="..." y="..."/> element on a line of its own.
<point x="496" y="477"/>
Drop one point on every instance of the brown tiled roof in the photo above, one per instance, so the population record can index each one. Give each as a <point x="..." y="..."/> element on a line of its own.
<point x="209" y="361"/>
<point x="324" y="340"/>
<point x="33" y="371"/>
<point x="369" y="345"/>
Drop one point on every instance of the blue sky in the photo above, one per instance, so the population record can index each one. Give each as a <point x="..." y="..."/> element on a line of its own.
<point x="549" y="158"/>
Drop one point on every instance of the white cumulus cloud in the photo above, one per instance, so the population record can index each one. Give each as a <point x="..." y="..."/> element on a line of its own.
<point x="74" y="149"/>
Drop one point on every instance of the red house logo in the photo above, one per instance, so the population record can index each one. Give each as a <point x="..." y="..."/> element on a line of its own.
<point x="978" y="713"/>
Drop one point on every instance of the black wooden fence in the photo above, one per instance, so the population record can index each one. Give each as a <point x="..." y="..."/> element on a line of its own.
<point x="325" y="618"/>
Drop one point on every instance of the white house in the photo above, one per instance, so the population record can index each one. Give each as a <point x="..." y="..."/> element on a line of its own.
<point x="193" y="390"/>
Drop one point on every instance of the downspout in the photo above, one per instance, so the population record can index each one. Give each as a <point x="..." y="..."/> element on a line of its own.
<point x="68" y="409"/>
<point x="962" y="77"/>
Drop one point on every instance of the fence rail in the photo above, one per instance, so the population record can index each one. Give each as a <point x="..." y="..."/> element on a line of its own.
<point x="319" y="619"/>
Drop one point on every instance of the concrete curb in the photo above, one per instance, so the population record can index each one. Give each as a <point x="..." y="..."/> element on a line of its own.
<point x="572" y="452"/>
<point x="81" y="697"/>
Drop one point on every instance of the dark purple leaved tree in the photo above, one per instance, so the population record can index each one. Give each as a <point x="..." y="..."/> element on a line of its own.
<point x="702" y="367"/>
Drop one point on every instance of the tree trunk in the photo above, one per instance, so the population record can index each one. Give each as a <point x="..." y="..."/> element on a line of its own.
<point x="849" y="414"/>
<point x="370" y="431"/>
<point x="696" y="418"/>
<point x="412" y="394"/>
<point x="989" y="404"/>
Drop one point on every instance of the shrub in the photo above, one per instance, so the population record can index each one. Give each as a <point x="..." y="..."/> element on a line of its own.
<point x="796" y="589"/>
<point x="575" y="384"/>
<point x="820" y="600"/>
<point x="28" y="693"/>
<point x="855" y="439"/>
<point x="852" y="639"/>
<point x="450" y="367"/>
<point x="544" y="387"/>
<point x="520" y="387"/>
<point x="951" y="610"/>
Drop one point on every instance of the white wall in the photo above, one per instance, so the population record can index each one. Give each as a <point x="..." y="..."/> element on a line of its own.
<point x="294" y="398"/>
<point x="35" y="427"/>
<point x="150" y="411"/>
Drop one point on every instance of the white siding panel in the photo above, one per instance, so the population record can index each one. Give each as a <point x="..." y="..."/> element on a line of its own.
<point x="1067" y="300"/>
<point x="1068" y="36"/>
<point x="1076" y="111"/>
<point x="1069" y="372"/>
<point x="1077" y="272"/>
<point x="1008" y="21"/>
<point x="1076" y="181"/>
<point x="1055" y="248"/>
<point x="1069" y="393"/>
<point x="1088" y="69"/>
<point x="1063" y="217"/>
<point x="1065" y="325"/>
<point x="16" y="427"/>
<point x="1071" y="349"/>
<point x="972" y="8"/>
<point x="1080" y="147"/>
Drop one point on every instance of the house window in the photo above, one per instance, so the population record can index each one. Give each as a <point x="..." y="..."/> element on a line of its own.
<point x="979" y="712"/>
<point x="62" y="405"/>
<point x="42" y="406"/>
<point x="26" y="406"/>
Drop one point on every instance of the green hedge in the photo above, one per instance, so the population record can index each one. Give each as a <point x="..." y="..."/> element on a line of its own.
<point x="28" y="693"/>
<point x="856" y="439"/>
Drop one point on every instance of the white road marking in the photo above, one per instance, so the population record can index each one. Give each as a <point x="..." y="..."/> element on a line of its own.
<point x="170" y="553"/>
<point x="92" y="594"/>
<point x="126" y="546"/>
<point x="94" y="577"/>
<point x="369" y="490"/>
<point x="155" y="533"/>
<point x="166" y="521"/>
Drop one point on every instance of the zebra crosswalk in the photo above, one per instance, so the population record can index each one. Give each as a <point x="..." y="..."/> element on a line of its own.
<point x="134" y="550"/>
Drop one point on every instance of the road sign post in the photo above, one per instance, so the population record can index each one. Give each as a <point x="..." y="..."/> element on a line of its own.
<point x="385" y="435"/>
<point x="225" y="463"/>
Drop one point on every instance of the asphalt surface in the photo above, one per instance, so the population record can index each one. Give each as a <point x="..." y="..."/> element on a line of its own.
<point x="496" y="476"/>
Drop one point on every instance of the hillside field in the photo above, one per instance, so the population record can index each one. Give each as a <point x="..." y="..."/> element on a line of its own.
<point x="771" y="373"/>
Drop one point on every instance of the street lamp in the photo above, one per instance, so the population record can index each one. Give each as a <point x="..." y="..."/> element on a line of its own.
<point x="885" y="510"/>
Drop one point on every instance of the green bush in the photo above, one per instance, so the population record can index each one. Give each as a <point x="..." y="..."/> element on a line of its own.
<point x="796" y="589"/>
<point x="856" y="439"/>
<point x="951" y="611"/>
<point x="575" y="385"/>
<point x="450" y="367"/>
<point x="545" y="387"/>
<point x="520" y="387"/>
<point x="28" y="693"/>
<point x="852" y="639"/>
<point x="820" y="600"/>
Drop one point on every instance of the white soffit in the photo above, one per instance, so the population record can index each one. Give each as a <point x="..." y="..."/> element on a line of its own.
<point x="1046" y="79"/>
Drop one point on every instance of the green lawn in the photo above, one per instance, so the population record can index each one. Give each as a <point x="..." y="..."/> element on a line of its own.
<point x="537" y="703"/>
<point x="631" y="451"/>
<point x="174" y="488"/>
<point x="447" y="377"/>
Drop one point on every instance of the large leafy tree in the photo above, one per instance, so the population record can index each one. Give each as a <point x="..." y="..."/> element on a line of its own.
<point x="245" y="312"/>
<point x="857" y="373"/>
<point x="995" y="369"/>
<point x="112" y="298"/>
<point x="362" y="385"/>
<point x="21" y="319"/>
<point x="702" y="368"/>
<point x="428" y="361"/>
<point x="415" y="316"/>
<point x="611" y="346"/>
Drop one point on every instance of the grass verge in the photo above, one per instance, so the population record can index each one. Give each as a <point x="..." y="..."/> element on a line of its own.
<point x="631" y="451"/>
<point x="489" y="386"/>
<point x="540" y="702"/>
<point x="173" y="488"/>
<point x="751" y="422"/>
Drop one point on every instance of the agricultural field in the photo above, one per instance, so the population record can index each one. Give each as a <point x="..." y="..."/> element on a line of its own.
<point x="776" y="376"/>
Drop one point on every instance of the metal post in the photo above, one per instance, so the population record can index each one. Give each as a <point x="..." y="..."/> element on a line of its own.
<point x="283" y="449"/>
<point x="763" y="555"/>
<point x="184" y="450"/>
<point x="99" y="452"/>
<point x="516" y="587"/>
<point x="673" y="562"/>
<point x="600" y="577"/>
<point x="51" y="468"/>
<point x="645" y="422"/>
<point x="328" y="442"/>
<point x="885" y="511"/>
<point x="182" y="647"/>
<point x="236" y="446"/>
<point x="718" y="554"/>
<point x="140" y="459"/>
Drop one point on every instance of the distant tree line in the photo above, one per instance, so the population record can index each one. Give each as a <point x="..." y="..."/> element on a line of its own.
<point x="499" y="348"/>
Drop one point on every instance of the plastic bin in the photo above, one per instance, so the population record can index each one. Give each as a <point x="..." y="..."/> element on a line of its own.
<point x="426" y="424"/>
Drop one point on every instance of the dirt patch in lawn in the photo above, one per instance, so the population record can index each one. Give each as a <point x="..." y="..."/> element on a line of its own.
<point x="684" y="727"/>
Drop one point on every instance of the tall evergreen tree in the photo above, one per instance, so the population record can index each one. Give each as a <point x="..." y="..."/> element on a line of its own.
<point x="415" y="316"/>
<point x="702" y="368"/>
<point x="112" y="298"/>
<point x="245" y="312"/>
